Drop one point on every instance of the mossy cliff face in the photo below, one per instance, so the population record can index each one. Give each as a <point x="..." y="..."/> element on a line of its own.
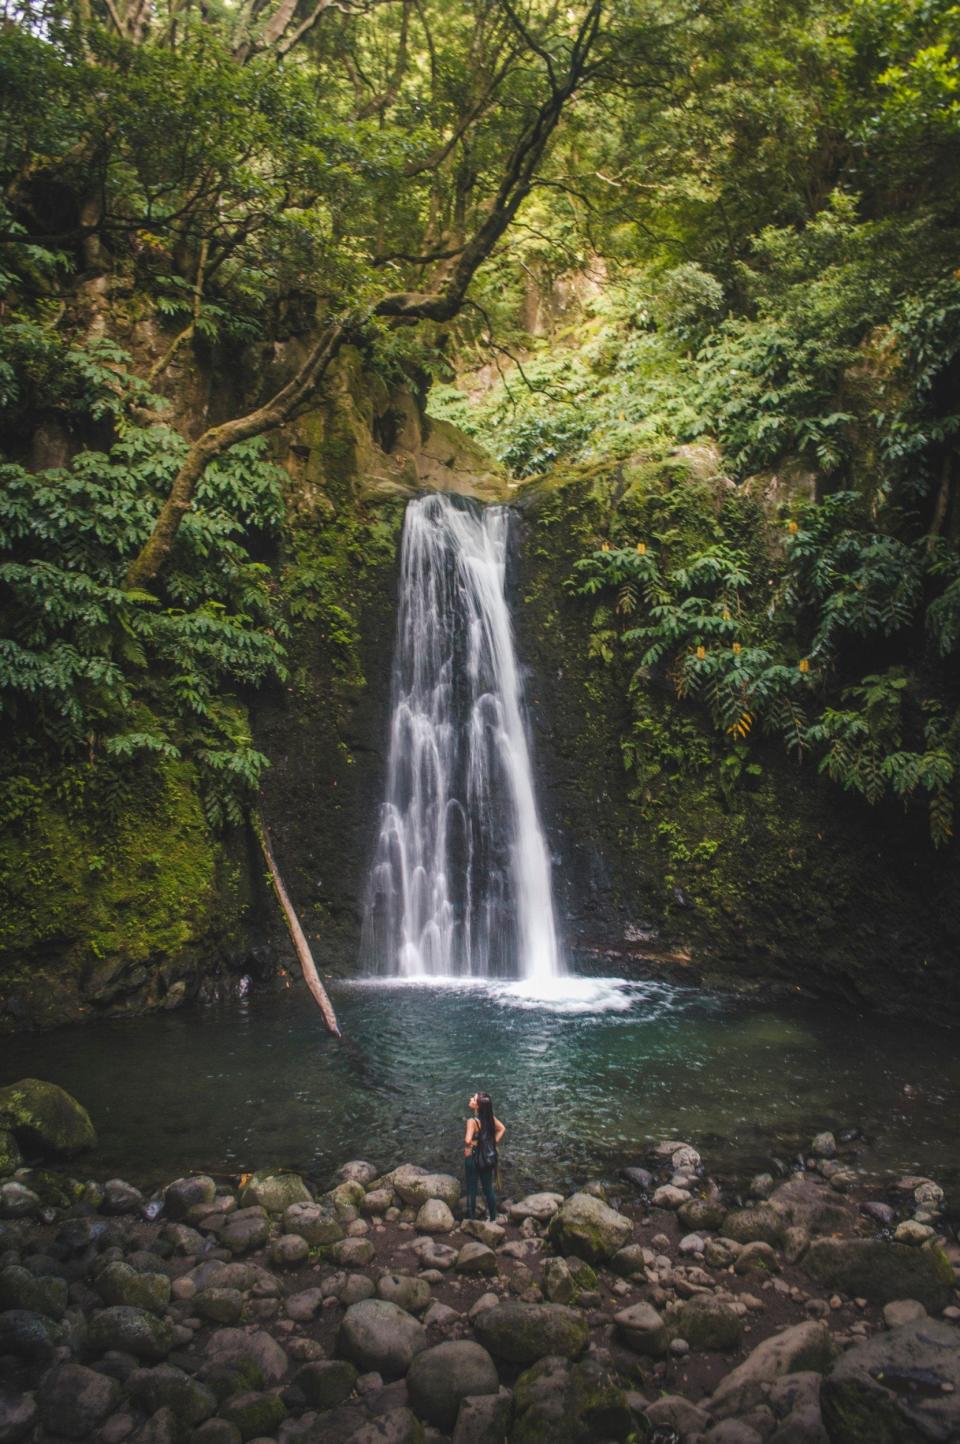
<point x="757" y="870"/>
<point x="118" y="905"/>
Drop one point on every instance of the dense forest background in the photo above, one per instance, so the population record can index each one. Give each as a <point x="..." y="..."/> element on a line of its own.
<point x="679" y="279"/>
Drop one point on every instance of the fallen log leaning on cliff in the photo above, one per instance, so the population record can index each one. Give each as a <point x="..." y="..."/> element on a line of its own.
<point x="297" y="935"/>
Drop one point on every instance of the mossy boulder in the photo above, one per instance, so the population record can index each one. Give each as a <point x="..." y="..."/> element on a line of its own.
<point x="442" y="1377"/>
<point x="523" y="1333"/>
<point x="255" y="1415"/>
<point x="569" y="1403"/>
<point x="315" y="1222"/>
<point x="166" y="1387"/>
<point x="118" y="1283"/>
<point x="275" y="1191"/>
<point x="760" y="1223"/>
<point x="380" y="1336"/>
<point x="881" y="1271"/>
<point x="587" y="1227"/>
<point x="131" y="1331"/>
<point x="709" y="1324"/>
<point x="44" y="1294"/>
<point x="865" y="1401"/>
<point x="325" y="1383"/>
<point x="186" y="1193"/>
<point x="45" y="1119"/>
<point x="702" y="1213"/>
<point x="10" y="1155"/>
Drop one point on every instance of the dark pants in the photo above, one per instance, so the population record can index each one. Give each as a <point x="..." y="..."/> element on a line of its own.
<point x="483" y="1176"/>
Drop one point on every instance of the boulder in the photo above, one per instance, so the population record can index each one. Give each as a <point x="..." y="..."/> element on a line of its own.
<point x="442" y="1377"/>
<point x="28" y="1335"/>
<point x="492" y="1234"/>
<point x="566" y="1402"/>
<point x="632" y="1262"/>
<point x="325" y="1383"/>
<point x="757" y="1258"/>
<point x="257" y="1348"/>
<point x="483" y="1419"/>
<point x="167" y="1387"/>
<point x="120" y="1197"/>
<point x="44" y="1119"/>
<point x="881" y="1271"/>
<point x="523" y="1333"/>
<point x="289" y="1250"/>
<point x="377" y="1201"/>
<point x="244" y="1234"/>
<point x="18" y="1417"/>
<point x="42" y="1294"/>
<point x="708" y="1323"/>
<point x="353" y="1253"/>
<point x="702" y="1213"/>
<point x="760" y="1223"/>
<point x="357" y="1171"/>
<point x="132" y="1331"/>
<point x="185" y="1193"/>
<point x="118" y="1283"/>
<point x="539" y="1206"/>
<point x="395" y="1426"/>
<point x="642" y="1329"/>
<point x="434" y="1217"/>
<point x="806" y="1346"/>
<point x="10" y="1155"/>
<point x="377" y="1335"/>
<point x="416" y="1185"/>
<point x="898" y="1386"/>
<point x="559" y="1284"/>
<point x="73" y="1400"/>
<point x="315" y="1222"/>
<point x="902" y="1311"/>
<point x="219" y="1306"/>
<point x="256" y="1415"/>
<point x="274" y="1191"/>
<point x="805" y="1202"/>
<point x="673" y="1414"/>
<point x="476" y="1258"/>
<point x="587" y="1227"/>
<point x="410" y="1294"/>
<point x="18" y="1201"/>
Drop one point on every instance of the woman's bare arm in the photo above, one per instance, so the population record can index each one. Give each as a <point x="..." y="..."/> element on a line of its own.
<point x="499" y="1129"/>
<point x="469" y="1136"/>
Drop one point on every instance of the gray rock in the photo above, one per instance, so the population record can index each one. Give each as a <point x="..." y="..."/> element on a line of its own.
<point x="492" y="1234"/>
<point x="132" y="1331"/>
<point x="73" y="1400"/>
<point x="867" y="1397"/>
<point x="732" y="1431"/>
<point x="721" y="1252"/>
<point x="353" y="1253"/>
<point x="433" y="1255"/>
<point x="274" y="1191"/>
<point x="559" y="1284"/>
<point x="410" y="1294"/>
<point x="356" y="1288"/>
<point x="18" y="1201"/>
<point x="325" y="1383"/>
<point x="120" y="1197"/>
<point x="377" y="1201"/>
<point x="185" y="1193"/>
<point x="255" y="1414"/>
<point x="539" y="1206"/>
<point x="632" y="1262"/>
<point x="357" y="1171"/>
<point x="441" y="1377"/>
<point x="824" y="1146"/>
<point x="641" y="1178"/>
<point x="762" y="1223"/>
<point x="902" y="1311"/>
<point x="416" y="1185"/>
<point x="118" y="1283"/>
<point x="216" y="1431"/>
<point x="231" y="1345"/>
<point x="757" y="1258"/>
<point x="587" y="1227"/>
<point x="315" y="1222"/>
<point x="802" y="1347"/>
<point x="375" y="1334"/>
<point x="881" y="1272"/>
<point x="397" y="1426"/>
<point x="302" y="1306"/>
<point x="805" y="1202"/>
<point x="520" y="1333"/>
<point x="673" y="1412"/>
<point x="881" y="1213"/>
<point x="642" y="1329"/>
<point x="167" y="1387"/>
<point x="484" y="1419"/>
<point x="702" y="1213"/>
<point x="476" y="1258"/>
<point x="803" y="1426"/>
<point x="28" y="1335"/>
<point x="42" y="1294"/>
<point x="18" y="1417"/>
<point x="289" y="1250"/>
<point x="243" y="1235"/>
<point x="708" y="1323"/>
<point x="434" y="1217"/>
<point x="219" y="1306"/>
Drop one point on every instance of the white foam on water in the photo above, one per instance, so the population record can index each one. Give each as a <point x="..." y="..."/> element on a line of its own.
<point x="566" y="994"/>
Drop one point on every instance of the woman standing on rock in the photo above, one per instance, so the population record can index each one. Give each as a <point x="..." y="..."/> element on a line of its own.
<point x="484" y="1132"/>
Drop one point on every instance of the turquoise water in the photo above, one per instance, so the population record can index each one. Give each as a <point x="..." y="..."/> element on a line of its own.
<point x="583" y="1080"/>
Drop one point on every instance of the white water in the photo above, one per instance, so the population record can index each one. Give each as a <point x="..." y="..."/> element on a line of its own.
<point x="460" y="884"/>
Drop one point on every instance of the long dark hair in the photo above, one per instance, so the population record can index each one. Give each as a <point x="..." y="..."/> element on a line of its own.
<point x="485" y="1114"/>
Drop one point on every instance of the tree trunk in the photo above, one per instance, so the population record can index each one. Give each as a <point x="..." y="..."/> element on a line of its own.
<point x="297" y="935"/>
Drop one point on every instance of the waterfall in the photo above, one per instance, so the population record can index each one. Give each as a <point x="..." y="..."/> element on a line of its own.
<point x="460" y="883"/>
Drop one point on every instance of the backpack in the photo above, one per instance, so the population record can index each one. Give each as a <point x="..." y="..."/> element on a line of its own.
<point x="485" y="1151"/>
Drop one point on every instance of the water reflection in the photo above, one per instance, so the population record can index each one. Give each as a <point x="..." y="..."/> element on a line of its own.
<point x="582" y="1078"/>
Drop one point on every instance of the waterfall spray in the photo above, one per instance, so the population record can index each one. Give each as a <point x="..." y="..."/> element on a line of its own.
<point x="460" y="884"/>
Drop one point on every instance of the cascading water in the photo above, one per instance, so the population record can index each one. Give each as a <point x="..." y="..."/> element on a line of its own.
<point x="460" y="884"/>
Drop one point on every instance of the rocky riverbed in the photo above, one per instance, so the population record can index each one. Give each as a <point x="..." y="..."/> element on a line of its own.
<point x="646" y="1307"/>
